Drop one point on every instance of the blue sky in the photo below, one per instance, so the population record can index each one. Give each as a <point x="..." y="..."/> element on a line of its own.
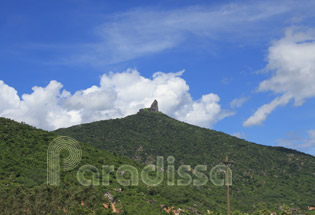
<point x="246" y="68"/>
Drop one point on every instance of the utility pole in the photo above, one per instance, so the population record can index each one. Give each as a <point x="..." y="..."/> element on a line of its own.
<point x="226" y="162"/>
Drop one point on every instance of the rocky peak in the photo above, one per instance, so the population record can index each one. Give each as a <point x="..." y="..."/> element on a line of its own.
<point x="154" y="107"/>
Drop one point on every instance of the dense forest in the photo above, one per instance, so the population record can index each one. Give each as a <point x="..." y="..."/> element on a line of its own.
<point x="265" y="179"/>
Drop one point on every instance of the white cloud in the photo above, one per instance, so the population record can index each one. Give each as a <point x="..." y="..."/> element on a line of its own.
<point x="238" y="102"/>
<point x="261" y="114"/>
<point x="204" y="112"/>
<point x="297" y="141"/>
<point x="118" y="95"/>
<point x="8" y="97"/>
<point x="239" y="135"/>
<point x="291" y="62"/>
<point x="41" y="108"/>
<point x="143" y="31"/>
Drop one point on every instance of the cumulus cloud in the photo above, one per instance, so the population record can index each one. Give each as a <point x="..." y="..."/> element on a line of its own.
<point x="291" y="62"/>
<point x="8" y="97"/>
<point x="204" y="112"/>
<point x="41" y="108"/>
<point x="297" y="141"/>
<point x="117" y="95"/>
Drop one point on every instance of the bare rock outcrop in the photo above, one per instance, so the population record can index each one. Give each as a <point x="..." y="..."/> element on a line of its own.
<point x="154" y="107"/>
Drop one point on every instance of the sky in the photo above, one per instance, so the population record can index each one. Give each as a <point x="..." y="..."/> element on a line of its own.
<point x="246" y="68"/>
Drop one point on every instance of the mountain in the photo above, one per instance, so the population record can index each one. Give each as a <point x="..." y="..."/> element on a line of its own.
<point x="263" y="176"/>
<point x="23" y="175"/>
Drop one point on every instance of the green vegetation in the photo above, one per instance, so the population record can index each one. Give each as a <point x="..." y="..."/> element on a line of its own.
<point x="263" y="177"/>
<point x="23" y="179"/>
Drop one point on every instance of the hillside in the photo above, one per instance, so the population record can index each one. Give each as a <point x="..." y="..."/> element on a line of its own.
<point x="263" y="176"/>
<point x="23" y="188"/>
